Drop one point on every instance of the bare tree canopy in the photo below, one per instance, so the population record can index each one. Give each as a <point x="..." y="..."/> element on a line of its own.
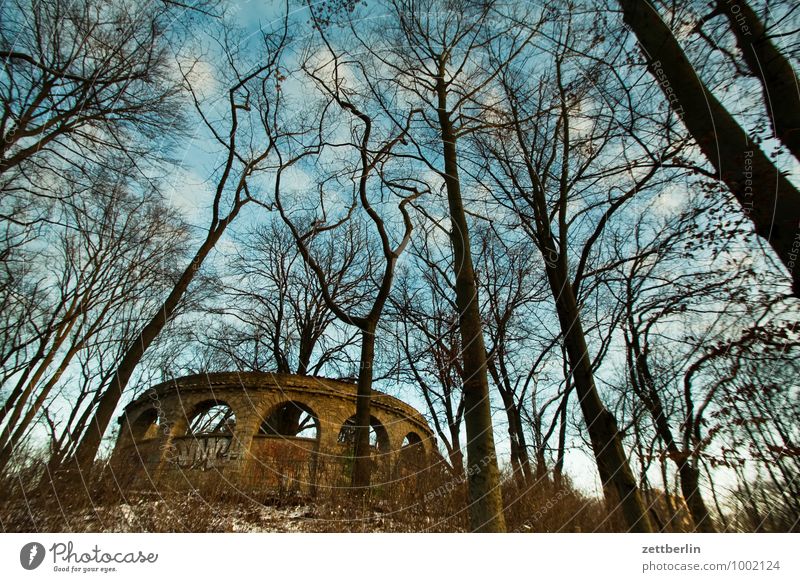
<point x="416" y="265"/>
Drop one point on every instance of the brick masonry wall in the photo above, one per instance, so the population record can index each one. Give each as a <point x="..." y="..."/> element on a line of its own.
<point x="160" y="450"/>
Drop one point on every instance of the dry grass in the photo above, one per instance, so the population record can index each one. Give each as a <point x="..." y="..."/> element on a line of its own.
<point x="430" y="500"/>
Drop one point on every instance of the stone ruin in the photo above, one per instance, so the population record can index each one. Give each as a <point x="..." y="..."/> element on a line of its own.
<point x="264" y="431"/>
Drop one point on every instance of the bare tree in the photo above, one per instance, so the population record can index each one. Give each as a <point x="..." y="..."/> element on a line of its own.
<point x="243" y="162"/>
<point x="765" y="62"/>
<point x="757" y="417"/>
<point x="428" y="339"/>
<point x="714" y="302"/>
<point x="105" y="263"/>
<point x="373" y="152"/>
<point x="765" y="194"/>
<point x="440" y="56"/>
<point x="274" y="314"/>
<point x="565" y="168"/>
<point x="512" y="286"/>
<point x="667" y="294"/>
<point x="83" y="83"/>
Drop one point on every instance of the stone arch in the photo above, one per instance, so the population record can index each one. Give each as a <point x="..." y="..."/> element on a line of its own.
<point x="246" y="454"/>
<point x="145" y="426"/>
<point x="378" y="435"/>
<point x="208" y="436"/>
<point x="211" y="417"/>
<point x="412" y="451"/>
<point x="291" y="418"/>
<point x="412" y="440"/>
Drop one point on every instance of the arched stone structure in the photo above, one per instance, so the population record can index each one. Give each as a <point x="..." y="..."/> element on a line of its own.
<point x="264" y="430"/>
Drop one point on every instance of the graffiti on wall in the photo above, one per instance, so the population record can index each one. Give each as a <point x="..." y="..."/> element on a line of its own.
<point x="201" y="453"/>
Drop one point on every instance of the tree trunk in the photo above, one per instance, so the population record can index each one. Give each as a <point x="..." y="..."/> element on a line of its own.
<point x="87" y="449"/>
<point x="520" y="463"/>
<point x="765" y="194"/>
<point x="18" y="398"/>
<point x="362" y="461"/>
<point x="646" y="390"/>
<point x="619" y="484"/>
<point x="455" y="453"/>
<point x="690" y="486"/>
<point x="22" y="427"/>
<point x="19" y="388"/>
<point x="713" y="488"/>
<point x="524" y="457"/>
<point x="558" y="467"/>
<point x="771" y="68"/>
<point x="485" y="496"/>
<point x="304" y="354"/>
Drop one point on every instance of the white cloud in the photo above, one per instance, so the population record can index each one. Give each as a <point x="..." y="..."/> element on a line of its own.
<point x="669" y="200"/>
<point x="199" y="74"/>
<point x="190" y="194"/>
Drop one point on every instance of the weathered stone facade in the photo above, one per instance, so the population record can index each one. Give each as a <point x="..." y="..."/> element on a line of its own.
<point x="249" y="439"/>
